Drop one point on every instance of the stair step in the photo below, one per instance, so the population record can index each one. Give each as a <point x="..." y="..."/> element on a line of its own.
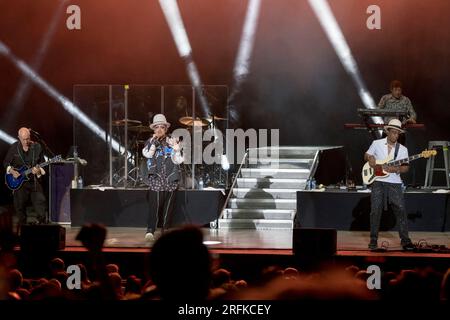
<point x="281" y="163"/>
<point x="259" y="224"/>
<point x="275" y="173"/>
<point x="252" y="193"/>
<point x="271" y="183"/>
<point x="270" y="214"/>
<point x="262" y="203"/>
<point x="265" y="194"/>
<point x="280" y="160"/>
<point x="285" y="152"/>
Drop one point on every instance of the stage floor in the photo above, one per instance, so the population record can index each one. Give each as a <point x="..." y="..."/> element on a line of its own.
<point x="259" y="241"/>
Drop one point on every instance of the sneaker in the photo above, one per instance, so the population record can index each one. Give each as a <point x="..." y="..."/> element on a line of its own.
<point x="149" y="236"/>
<point x="373" y="245"/>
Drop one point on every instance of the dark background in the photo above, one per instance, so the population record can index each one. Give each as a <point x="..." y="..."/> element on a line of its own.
<point x="296" y="81"/>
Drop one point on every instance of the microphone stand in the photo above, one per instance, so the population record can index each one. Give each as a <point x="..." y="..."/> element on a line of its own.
<point x="47" y="150"/>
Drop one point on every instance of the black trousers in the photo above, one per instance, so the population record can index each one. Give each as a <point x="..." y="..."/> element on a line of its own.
<point x="164" y="208"/>
<point x="30" y="190"/>
<point x="382" y="193"/>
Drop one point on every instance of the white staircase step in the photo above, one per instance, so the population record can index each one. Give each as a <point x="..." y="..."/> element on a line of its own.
<point x="259" y="224"/>
<point x="250" y="193"/>
<point x="275" y="173"/>
<point x="235" y="203"/>
<point x="264" y="160"/>
<point x="284" y="152"/>
<point x="271" y="214"/>
<point x="265" y="194"/>
<point x="281" y="163"/>
<point x="272" y="183"/>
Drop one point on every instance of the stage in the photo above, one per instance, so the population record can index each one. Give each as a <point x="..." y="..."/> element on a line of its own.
<point x="120" y="207"/>
<point x="278" y="242"/>
<point x="124" y="213"/>
<point x="246" y="252"/>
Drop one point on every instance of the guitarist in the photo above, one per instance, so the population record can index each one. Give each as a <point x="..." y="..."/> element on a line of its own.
<point x="388" y="188"/>
<point x="27" y="153"/>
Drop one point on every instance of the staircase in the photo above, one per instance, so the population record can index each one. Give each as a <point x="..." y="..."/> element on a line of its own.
<point x="263" y="196"/>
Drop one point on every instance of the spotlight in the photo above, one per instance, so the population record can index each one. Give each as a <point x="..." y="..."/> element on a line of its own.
<point x="224" y="162"/>
<point x="337" y="39"/>
<point x="6" y="137"/>
<point x="52" y="92"/>
<point x="179" y="34"/>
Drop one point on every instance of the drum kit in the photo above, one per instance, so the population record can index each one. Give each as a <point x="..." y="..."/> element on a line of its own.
<point x="139" y="133"/>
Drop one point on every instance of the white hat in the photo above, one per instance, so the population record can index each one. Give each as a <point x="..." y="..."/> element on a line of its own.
<point x="394" y="124"/>
<point x="159" y="119"/>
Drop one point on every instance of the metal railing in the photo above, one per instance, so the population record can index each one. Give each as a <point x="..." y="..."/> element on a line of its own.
<point x="230" y="192"/>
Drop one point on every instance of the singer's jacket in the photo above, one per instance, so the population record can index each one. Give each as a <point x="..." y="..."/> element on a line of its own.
<point x="163" y="164"/>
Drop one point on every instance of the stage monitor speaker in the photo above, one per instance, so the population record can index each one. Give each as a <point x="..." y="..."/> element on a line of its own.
<point x="42" y="237"/>
<point x="314" y="242"/>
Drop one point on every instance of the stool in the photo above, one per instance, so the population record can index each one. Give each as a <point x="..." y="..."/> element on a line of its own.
<point x="430" y="163"/>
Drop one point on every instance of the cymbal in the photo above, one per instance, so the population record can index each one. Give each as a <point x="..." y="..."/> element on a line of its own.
<point x="189" y="121"/>
<point x="121" y="123"/>
<point x="210" y="119"/>
<point x="140" y="129"/>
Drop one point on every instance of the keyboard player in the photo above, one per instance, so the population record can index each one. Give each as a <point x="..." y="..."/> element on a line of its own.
<point x="396" y="101"/>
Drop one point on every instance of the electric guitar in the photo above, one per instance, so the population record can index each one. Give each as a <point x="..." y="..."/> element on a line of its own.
<point x="16" y="183"/>
<point x="370" y="174"/>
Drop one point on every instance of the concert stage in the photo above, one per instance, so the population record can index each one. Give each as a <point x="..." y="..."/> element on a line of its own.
<point x="131" y="207"/>
<point x="277" y="242"/>
<point x="124" y="212"/>
<point x="246" y="252"/>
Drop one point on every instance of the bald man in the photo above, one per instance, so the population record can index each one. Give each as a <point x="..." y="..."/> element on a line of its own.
<point x="27" y="153"/>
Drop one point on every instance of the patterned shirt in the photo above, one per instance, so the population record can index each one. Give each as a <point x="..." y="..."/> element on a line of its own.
<point x="389" y="102"/>
<point x="159" y="181"/>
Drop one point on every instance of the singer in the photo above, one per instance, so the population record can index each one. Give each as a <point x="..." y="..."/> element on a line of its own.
<point x="27" y="153"/>
<point x="164" y="157"/>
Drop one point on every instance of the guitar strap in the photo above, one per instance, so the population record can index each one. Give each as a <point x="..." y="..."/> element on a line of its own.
<point x="385" y="185"/>
<point x="32" y="156"/>
<point x="21" y="157"/>
<point x="23" y="160"/>
<point x="397" y="146"/>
